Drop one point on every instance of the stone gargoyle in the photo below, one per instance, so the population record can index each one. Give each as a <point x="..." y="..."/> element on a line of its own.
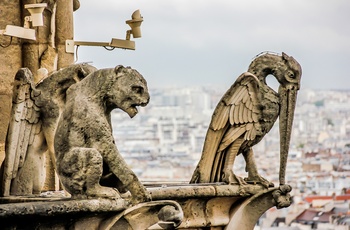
<point x="35" y="113"/>
<point x="88" y="161"/>
<point x="245" y="113"/>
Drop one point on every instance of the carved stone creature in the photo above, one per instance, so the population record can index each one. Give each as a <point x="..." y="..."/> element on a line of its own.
<point x="246" y="112"/>
<point x="35" y="113"/>
<point x="86" y="154"/>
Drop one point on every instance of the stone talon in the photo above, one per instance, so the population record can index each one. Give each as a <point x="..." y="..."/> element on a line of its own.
<point x="259" y="180"/>
<point x="230" y="178"/>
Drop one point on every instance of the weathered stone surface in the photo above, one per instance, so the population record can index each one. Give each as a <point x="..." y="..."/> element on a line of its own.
<point x="5" y="108"/>
<point x="203" y="190"/>
<point x="2" y="152"/>
<point x="61" y="207"/>
<point x="64" y="31"/>
<point x="84" y="143"/>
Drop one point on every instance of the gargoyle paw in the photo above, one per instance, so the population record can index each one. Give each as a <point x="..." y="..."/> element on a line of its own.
<point x="101" y="191"/>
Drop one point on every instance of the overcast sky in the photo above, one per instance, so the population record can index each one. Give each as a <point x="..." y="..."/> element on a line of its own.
<point x="189" y="42"/>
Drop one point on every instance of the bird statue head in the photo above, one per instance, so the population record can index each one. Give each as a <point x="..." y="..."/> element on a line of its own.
<point x="288" y="72"/>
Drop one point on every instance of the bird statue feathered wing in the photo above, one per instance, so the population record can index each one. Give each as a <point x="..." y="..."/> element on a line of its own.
<point x="235" y="119"/>
<point x="23" y="127"/>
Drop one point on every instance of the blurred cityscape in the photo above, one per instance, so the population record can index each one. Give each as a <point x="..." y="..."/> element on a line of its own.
<point x="164" y="142"/>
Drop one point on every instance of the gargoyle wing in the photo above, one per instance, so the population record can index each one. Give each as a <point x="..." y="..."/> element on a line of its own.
<point x="235" y="115"/>
<point x="24" y="125"/>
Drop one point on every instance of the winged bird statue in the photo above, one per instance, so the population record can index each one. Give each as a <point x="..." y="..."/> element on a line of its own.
<point x="35" y="112"/>
<point x="245" y="113"/>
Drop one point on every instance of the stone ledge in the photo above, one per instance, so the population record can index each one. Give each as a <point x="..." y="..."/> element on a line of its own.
<point x="185" y="191"/>
<point x="62" y="206"/>
<point x="59" y="203"/>
<point x="191" y="205"/>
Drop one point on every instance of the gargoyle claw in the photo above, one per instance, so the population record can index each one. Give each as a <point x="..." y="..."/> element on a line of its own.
<point x="230" y="178"/>
<point x="259" y="180"/>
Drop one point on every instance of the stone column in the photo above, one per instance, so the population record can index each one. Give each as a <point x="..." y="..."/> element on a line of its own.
<point x="10" y="62"/>
<point x="64" y="31"/>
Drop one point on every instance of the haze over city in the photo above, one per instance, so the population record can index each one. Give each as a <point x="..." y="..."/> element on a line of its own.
<point x="205" y="42"/>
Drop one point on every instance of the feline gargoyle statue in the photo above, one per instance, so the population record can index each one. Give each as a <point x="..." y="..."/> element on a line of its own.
<point x="88" y="161"/>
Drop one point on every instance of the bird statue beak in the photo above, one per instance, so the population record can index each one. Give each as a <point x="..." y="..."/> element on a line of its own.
<point x="288" y="96"/>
